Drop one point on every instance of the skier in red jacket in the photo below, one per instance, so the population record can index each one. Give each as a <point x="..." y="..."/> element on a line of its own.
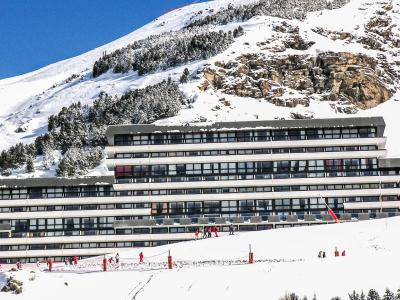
<point x="196" y="233"/>
<point x="216" y="231"/>
<point x="141" y="257"/>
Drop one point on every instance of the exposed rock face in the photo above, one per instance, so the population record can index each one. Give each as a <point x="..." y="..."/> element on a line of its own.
<point x="341" y="77"/>
<point x="13" y="285"/>
<point x="378" y="34"/>
<point x="298" y="43"/>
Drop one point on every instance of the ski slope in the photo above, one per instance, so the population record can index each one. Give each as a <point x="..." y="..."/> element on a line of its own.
<point x="371" y="261"/>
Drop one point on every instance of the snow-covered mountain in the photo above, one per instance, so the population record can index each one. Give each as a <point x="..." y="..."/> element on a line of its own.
<point x="338" y="59"/>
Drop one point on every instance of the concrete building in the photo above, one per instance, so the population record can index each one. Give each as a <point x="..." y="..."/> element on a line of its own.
<point x="170" y="180"/>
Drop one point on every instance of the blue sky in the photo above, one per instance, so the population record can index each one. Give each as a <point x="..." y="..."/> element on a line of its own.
<point x="35" y="33"/>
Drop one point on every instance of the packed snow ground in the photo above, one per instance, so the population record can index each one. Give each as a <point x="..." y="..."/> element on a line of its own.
<point x="28" y="100"/>
<point x="371" y="261"/>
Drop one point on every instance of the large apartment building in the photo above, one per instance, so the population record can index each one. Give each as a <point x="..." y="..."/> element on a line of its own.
<point x="170" y="180"/>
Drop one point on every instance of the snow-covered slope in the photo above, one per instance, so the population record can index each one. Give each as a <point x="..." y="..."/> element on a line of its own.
<point x="371" y="262"/>
<point x="28" y="100"/>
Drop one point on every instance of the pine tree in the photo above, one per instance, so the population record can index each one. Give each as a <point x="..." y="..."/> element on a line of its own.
<point x="354" y="296"/>
<point x="314" y="297"/>
<point x="362" y="295"/>
<point x="29" y="165"/>
<point x="388" y="295"/>
<point x="185" y="76"/>
<point x="373" y="295"/>
<point x="397" y="297"/>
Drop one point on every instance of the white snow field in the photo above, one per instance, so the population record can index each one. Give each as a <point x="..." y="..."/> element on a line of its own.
<point x="371" y="261"/>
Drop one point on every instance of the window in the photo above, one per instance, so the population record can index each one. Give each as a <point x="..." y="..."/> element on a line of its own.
<point x="261" y="136"/>
<point x="243" y="136"/>
<point x="176" y="208"/>
<point x="212" y="207"/>
<point x="279" y="135"/>
<point x="281" y="166"/>
<point x="35" y="193"/>
<point x="298" y="166"/>
<point x="193" y="207"/>
<point x="159" y="208"/>
<point x="314" y="134"/>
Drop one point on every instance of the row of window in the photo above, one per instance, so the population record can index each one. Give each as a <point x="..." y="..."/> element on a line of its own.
<point x="74" y="207"/>
<point x="244" y="152"/>
<point x="285" y="188"/>
<point x="56" y="192"/>
<point x="262" y="167"/>
<point x="244" y="136"/>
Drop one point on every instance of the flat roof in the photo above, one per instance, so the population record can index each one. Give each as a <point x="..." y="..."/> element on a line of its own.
<point x="55" y="181"/>
<point x="243" y="125"/>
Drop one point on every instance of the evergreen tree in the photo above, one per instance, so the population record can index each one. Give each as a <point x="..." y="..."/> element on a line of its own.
<point x="362" y="295"/>
<point x="29" y="166"/>
<point x="388" y="295"/>
<point x="373" y="295"/>
<point x="185" y="76"/>
<point x="354" y="296"/>
<point x="398" y="295"/>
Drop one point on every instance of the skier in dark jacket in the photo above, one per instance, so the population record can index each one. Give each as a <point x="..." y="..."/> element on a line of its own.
<point x="231" y="230"/>
<point x="209" y="231"/>
<point x="204" y="232"/>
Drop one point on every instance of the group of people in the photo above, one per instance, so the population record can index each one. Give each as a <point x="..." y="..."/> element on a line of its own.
<point x="116" y="259"/>
<point x="70" y="261"/>
<point x="206" y="232"/>
<point x="322" y="254"/>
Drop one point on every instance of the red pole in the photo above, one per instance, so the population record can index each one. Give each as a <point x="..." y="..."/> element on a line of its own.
<point x="251" y="255"/>
<point x="104" y="264"/>
<point x="50" y="264"/>
<point x="169" y="260"/>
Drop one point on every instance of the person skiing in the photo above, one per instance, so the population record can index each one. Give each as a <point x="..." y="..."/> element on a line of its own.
<point x="111" y="260"/>
<point x="75" y="259"/>
<point x="231" y="230"/>
<point x="117" y="258"/>
<point x="196" y="233"/>
<point x="141" y="256"/>
<point x="216" y="231"/>
<point x="209" y="231"/>
<point x="204" y="232"/>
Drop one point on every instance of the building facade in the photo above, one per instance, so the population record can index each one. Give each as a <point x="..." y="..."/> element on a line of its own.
<point x="170" y="180"/>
